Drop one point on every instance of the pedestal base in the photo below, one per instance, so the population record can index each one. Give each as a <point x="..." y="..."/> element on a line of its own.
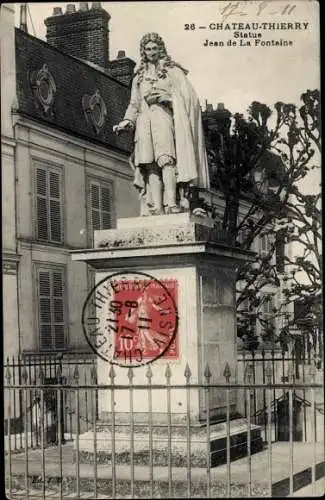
<point x="174" y="444"/>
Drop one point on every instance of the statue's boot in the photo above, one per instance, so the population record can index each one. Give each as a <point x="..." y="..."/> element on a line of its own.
<point x="170" y="185"/>
<point x="156" y="190"/>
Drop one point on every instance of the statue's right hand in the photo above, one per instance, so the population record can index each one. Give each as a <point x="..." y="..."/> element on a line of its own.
<point x="123" y="126"/>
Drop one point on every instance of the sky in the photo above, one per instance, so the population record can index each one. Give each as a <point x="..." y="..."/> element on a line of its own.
<point x="233" y="75"/>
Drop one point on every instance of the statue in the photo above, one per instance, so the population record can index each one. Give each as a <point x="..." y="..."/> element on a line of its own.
<point x="164" y="113"/>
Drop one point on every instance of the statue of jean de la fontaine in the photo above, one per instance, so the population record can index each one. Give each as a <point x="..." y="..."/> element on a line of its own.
<point x="169" y="155"/>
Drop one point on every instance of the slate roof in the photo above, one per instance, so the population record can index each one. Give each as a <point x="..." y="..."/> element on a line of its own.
<point x="73" y="79"/>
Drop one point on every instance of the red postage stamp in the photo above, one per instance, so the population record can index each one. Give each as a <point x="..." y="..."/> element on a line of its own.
<point x="131" y="319"/>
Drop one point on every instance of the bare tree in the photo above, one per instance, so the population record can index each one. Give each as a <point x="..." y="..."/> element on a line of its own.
<point x="265" y="164"/>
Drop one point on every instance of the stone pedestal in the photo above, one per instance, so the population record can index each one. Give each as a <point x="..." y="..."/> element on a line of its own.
<point x="189" y="254"/>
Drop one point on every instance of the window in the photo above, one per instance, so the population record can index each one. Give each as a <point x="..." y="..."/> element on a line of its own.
<point x="100" y="205"/>
<point x="268" y="316"/>
<point x="264" y="245"/>
<point x="246" y="316"/>
<point x="49" y="209"/>
<point x="242" y="237"/>
<point x="50" y="288"/>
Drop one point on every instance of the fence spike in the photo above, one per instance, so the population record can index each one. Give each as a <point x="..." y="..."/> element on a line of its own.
<point x="130" y="374"/>
<point x="76" y="373"/>
<point x="59" y="373"/>
<point x="187" y="373"/>
<point x="168" y="372"/>
<point x="248" y="373"/>
<point x="24" y="375"/>
<point x="207" y="373"/>
<point x="8" y="375"/>
<point x="112" y="374"/>
<point x="268" y="372"/>
<point x="149" y="373"/>
<point x="227" y="372"/>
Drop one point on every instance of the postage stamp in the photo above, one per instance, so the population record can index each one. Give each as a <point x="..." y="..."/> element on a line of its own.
<point x="131" y="319"/>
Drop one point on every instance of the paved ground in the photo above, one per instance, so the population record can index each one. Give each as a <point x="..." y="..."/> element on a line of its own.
<point x="302" y="460"/>
<point x="307" y="491"/>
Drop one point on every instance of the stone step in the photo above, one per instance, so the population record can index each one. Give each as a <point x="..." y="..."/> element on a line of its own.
<point x="170" y="445"/>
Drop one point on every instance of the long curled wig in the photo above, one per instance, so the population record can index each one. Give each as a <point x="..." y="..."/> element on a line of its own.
<point x="164" y="61"/>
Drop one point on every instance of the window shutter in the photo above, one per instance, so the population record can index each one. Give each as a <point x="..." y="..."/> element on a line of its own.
<point x="95" y="206"/>
<point x="51" y="309"/>
<point x="49" y="205"/>
<point x="54" y="184"/>
<point x="45" y="309"/>
<point x="55" y="221"/>
<point x="100" y="206"/>
<point x="106" y="207"/>
<point x="58" y="310"/>
<point x="41" y="187"/>
<point x="41" y="205"/>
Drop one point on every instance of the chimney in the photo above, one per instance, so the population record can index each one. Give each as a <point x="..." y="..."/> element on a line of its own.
<point x="122" y="68"/>
<point x="23" y="17"/>
<point x="82" y="33"/>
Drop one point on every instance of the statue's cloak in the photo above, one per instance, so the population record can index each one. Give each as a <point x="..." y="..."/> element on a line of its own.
<point x="191" y="164"/>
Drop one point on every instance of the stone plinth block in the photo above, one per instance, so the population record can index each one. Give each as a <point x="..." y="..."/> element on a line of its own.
<point x="188" y="254"/>
<point x="179" y="449"/>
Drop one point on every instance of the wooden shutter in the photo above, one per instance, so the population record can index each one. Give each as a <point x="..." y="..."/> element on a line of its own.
<point x="51" y="309"/>
<point x="58" y="309"/>
<point x="100" y="206"/>
<point x="106" y="197"/>
<point x="45" y="316"/>
<point x="55" y="202"/>
<point x="49" y="205"/>
<point x="95" y="206"/>
<point x="41" y="204"/>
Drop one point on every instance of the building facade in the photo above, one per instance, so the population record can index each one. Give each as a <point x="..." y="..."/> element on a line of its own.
<point x="65" y="174"/>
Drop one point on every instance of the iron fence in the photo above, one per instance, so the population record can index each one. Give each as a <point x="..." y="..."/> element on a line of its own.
<point x="154" y="454"/>
<point x="281" y="366"/>
<point x="48" y="370"/>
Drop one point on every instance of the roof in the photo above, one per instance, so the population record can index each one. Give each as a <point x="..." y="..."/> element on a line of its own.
<point x="73" y="80"/>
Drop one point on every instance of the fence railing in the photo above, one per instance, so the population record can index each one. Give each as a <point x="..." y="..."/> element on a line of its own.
<point x="143" y="453"/>
<point x="280" y="367"/>
<point x="48" y="370"/>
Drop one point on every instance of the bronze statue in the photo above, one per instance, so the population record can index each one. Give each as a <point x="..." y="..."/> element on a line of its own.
<point x="164" y="112"/>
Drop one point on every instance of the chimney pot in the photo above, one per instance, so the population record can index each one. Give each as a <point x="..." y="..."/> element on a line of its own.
<point x="121" y="54"/>
<point x="83" y="6"/>
<point x="57" y="11"/>
<point x="70" y="8"/>
<point x="220" y="106"/>
<point x="96" y="5"/>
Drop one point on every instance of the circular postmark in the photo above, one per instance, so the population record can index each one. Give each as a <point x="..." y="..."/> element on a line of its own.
<point x="130" y="319"/>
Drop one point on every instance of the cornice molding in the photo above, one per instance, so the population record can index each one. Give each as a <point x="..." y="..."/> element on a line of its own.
<point x="49" y="131"/>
